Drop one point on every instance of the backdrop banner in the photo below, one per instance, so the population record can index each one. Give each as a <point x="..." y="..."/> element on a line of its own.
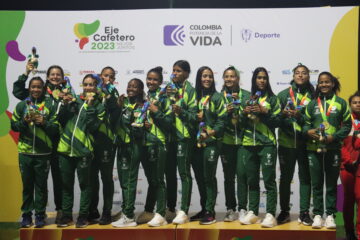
<point x="134" y="41"/>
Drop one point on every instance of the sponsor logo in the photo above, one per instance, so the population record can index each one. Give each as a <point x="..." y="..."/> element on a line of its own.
<point x="197" y="35"/>
<point x="314" y="71"/>
<point x="84" y="72"/>
<point x="248" y="34"/>
<point x="286" y="72"/>
<point x="67" y="73"/>
<point x="206" y="35"/>
<point x="174" y="35"/>
<point x="282" y="83"/>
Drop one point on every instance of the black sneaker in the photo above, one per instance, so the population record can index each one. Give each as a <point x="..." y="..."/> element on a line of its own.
<point x="283" y="217"/>
<point x="305" y="219"/>
<point x="65" y="221"/>
<point x="26" y="221"/>
<point x="58" y="216"/>
<point x="93" y="217"/>
<point x="105" y="219"/>
<point x="209" y="218"/>
<point x="197" y="217"/>
<point x="350" y="235"/>
<point x="40" y="221"/>
<point x="82" y="222"/>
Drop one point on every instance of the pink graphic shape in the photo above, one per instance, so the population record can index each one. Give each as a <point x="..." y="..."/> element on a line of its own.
<point x="12" y="49"/>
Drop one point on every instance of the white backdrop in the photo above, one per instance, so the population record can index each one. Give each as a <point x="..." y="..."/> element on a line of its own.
<point x="277" y="39"/>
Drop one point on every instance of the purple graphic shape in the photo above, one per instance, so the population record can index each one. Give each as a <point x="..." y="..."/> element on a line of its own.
<point x="173" y="35"/>
<point x="12" y="49"/>
<point x="340" y="198"/>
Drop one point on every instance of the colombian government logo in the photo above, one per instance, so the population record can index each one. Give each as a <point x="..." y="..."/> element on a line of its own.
<point x="174" y="35"/>
<point x="83" y="31"/>
<point x="246" y="34"/>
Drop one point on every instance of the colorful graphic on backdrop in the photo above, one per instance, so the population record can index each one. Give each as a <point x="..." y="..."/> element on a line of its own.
<point x="10" y="25"/>
<point x="83" y="31"/>
<point x="12" y="49"/>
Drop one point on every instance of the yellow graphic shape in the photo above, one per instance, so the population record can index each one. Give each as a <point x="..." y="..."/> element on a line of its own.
<point x="343" y="52"/>
<point x="82" y="30"/>
<point x="10" y="179"/>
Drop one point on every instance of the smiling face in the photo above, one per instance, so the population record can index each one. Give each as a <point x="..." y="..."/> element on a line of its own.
<point x="301" y="76"/>
<point x="179" y="74"/>
<point x="89" y="85"/>
<point x="355" y="105"/>
<point x="36" y="88"/>
<point x="107" y="75"/>
<point x="207" y="79"/>
<point x="55" y="76"/>
<point x="231" y="80"/>
<point x="261" y="81"/>
<point x="153" y="81"/>
<point x="325" y="84"/>
<point x="133" y="89"/>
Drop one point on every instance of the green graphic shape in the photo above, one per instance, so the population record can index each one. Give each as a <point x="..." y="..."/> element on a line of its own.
<point x="4" y="124"/>
<point x="11" y="23"/>
<point x="88" y="29"/>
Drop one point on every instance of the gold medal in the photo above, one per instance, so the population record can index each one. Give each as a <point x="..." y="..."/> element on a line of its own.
<point x="56" y="93"/>
<point x="234" y="121"/>
<point x="326" y="125"/>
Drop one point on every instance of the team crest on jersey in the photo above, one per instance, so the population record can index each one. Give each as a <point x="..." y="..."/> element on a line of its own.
<point x="268" y="159"/>
<point x="180" y="152"/>
<point x="212" y="155"/>
<point x="124" y="164"/>
<point x="336" y="160"/>
<point x="317" y="110"/>
<point x="333" y="109"/>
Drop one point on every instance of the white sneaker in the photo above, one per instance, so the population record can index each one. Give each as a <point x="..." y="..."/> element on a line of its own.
<point x="330" y="222"/>
<point x="269" y="221"/>
<point x="157" y="221"/>
<point x="242" y="214"/>
<point x="250" y="218"/>
<point x="230" y="216"/>
<point x="124" y="221"/>
<point x="317" y="224"/>
<point x="180" y="218"/>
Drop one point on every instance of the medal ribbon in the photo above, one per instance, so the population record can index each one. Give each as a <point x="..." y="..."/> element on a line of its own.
<point x="206" y="100"/>
<point x="355" y="122"/>
<point x="323" y="115"/>
<point x="262" y="100"/>
<point x="303" y="99"/>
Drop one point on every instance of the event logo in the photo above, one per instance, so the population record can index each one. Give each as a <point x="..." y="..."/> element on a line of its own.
<point x="199" y="35"/>
<point x="108" y="40"/>
<point x="83" y="31"/>
<point x="174" y="35"/>
<point x="246" y="34"/>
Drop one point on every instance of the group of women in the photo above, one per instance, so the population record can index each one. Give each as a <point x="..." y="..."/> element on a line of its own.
<point x="174" y="128"/>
